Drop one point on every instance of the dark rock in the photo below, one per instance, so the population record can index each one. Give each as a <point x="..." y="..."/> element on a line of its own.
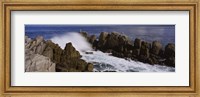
<point x="90" y="67"/>
<point x="71" y="52"/>
<point x="161" y="53"/>
<point x="92" y="38"/>
<point x="95" y="44"/>
<point x="170" y="61"/>
<point x="169" y="50"/>
<point x="57" y="51"/>
<point x="150" y="61"/>
<point x="88" y="52"/>
<point x="136" y="52"/>
<point x="115" y="39"/>
<point x="137" y="43"/>
<point x="156" y="47"/>
<point x="144" y="50"/>
<point x="170" y="55"/>
<point x="102" y="39"/>
<point x="71" y="62"/>
<point x="48" y="52"/>
<point x="72" y="65"/>
<point x="143" y="58"/>
<point x="120" y="46"/>
<point x="81" y="64"/>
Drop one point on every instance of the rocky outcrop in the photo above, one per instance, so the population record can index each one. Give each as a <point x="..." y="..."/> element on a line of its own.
<point x="38" y="63"/>
<point x="137" y="43"/>
<point x="170" y="54"/>
<point x="92" y="38"/>
<point x="71" y="62"/>
<point x="144" y="52"/>
<point x="34" y="60"/>
<point x="156" y="47"/>
<point x="70" y="52"/>
<point x="53" y="51"/>
<point x="46" y="56"/>
<point x="120" y="46"/>
<point x="102" y="40"/>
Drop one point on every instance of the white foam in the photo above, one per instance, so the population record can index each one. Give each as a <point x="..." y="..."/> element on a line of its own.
<point x="122" y="65"/>
<point x="104" y="61"/>
<point x="77" y="40"/>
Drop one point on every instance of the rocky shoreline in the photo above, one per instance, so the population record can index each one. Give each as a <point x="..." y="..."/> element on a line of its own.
<point x="46" y="56"/>
<point x="121" y="46"/>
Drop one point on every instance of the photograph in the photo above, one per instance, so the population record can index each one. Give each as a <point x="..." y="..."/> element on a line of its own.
<point x="99" y="48"/>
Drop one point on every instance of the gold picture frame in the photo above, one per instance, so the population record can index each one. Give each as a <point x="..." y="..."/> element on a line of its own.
<point x="49" y="5"/>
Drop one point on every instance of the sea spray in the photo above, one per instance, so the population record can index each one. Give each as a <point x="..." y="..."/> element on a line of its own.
<point x="104" y="61"/>
<point x="77" y="40"/>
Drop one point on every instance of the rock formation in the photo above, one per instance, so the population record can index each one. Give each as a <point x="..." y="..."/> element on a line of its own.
<point x="120" y="46"/>
<point x="34" y="61"/>
<point x="46" y="56"/>
<point x="170" y="54"/>
<point x="38" y="63"/>
<point x="71" y="62"/>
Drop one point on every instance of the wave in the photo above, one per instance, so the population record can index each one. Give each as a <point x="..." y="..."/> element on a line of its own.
<point x="77" y="40"/>
<point x="104" y="62"/>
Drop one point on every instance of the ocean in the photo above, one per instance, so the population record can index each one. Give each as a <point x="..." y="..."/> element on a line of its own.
<point x="103" y="62"/>
<point x="163" y="33"/>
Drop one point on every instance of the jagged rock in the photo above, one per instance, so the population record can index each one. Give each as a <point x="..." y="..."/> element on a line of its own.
<point x="46" y="56"/>
<point x="144" y="50"/>
<point x="170" y="54"/>
<point x="73" y="65"/>
<point x="55" y="49"/>
<point x="39" y="39"/>
<point x="102" y="39"/>
<point x="136" y="52"/>
<point x="150" y="61"/>
<point x="112" y="41"/>
<point x="71" y="52"/>
<point x="39" y="49"/>
<point x="137" y="43"/>
<point x="170" y="61"/>
<point x="95" y="45"/>
<point x="121" y="46"/>
<point x="37" y="45"/>
<point x="71" y="62"/>
<point x="92" y="38"/>
<point x="27" y="40"/>
<point x="48" y="52"/>
<point x="156" y="47"/>
<point x="38" y="63"/>
<point x="169" y="50"/>
<point x="161" y="53"/>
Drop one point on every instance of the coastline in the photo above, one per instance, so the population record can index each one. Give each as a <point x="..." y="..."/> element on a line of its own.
<point x="117" y="44"/>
